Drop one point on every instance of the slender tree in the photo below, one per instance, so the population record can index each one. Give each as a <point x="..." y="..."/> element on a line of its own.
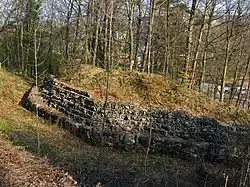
<point x="189" y="41"/>
<point x="148" y="46"/>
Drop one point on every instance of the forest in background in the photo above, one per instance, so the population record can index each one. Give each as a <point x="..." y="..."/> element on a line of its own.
<point x="202" y="43"/>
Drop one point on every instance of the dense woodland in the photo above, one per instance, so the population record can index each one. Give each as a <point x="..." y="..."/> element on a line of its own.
<point x="196" y="42"/>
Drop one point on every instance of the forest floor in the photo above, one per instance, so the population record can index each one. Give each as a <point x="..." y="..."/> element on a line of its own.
<point x="64" y="160"/>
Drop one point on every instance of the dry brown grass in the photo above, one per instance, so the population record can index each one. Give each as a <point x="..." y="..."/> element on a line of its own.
<point x="20" y="168"/>
<point x="143" y="89"/>
<point x="21" y="164"/>
<point x="17" y="166"/>
<point x="59" y="149"/>
<point x="61" y="152"/>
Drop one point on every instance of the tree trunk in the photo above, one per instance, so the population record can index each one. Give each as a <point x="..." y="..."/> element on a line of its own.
<point x="138" y="31"/>
<point x="229" y="34"/>
<point x="196" y="53"/>
<point x="223" y="80"/>
<point x="131" y="33"/>
<point x="235" y="75"/>
<point x="246" y="100"/>
<point x="96" y="35"/>
<point x="189" y="42"/>
<point x="242" y="81"/>
<point x="110" y="33"/>
<point x="204" y="56"/>
<point x="77" y="28"/>
<point x="86" y="52"/>
<point x="167" y="41"/>
<point x="147" y="53"/>
<point x="67" y="39"/>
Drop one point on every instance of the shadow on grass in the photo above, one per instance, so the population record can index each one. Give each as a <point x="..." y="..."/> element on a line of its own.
<point x="113" y="167"/>
<point x="110" y="168"/>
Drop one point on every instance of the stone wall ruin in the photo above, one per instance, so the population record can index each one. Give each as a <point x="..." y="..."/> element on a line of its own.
<point x="125" y="125"/>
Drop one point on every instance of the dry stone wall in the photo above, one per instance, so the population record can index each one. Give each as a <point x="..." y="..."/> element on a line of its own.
<point x="124" y="125"/>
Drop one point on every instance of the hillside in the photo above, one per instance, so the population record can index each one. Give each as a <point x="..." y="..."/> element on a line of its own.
<point x="63" y="159"/>
<point x="19" y="167"/>
<point x="148" y="90"/>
